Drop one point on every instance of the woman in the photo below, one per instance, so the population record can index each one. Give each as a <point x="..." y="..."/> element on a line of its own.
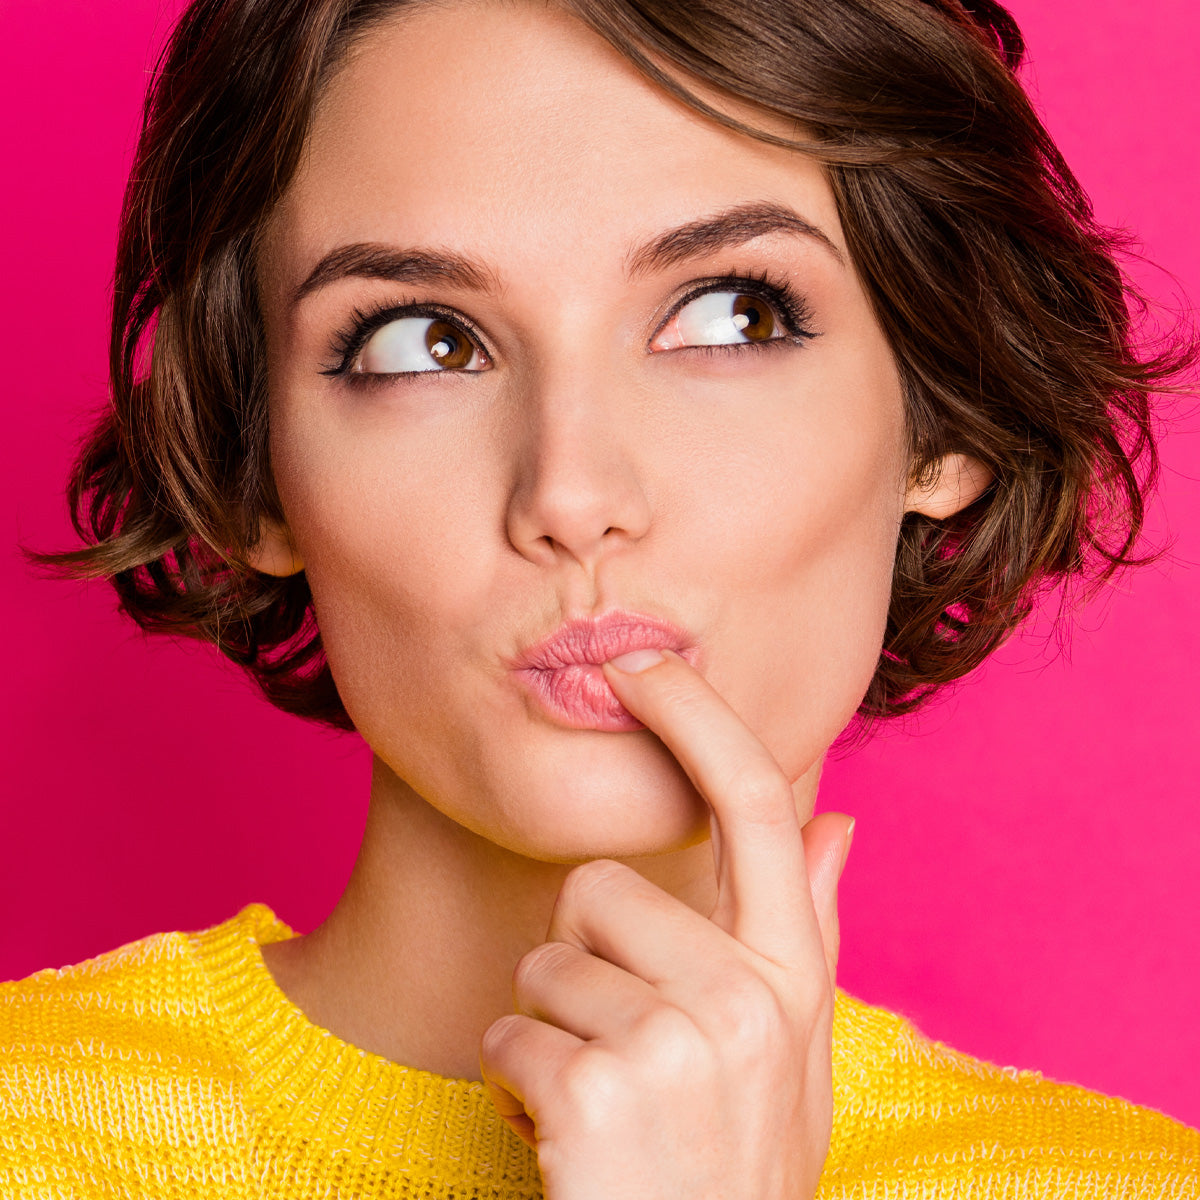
<point x="573" y="403"/>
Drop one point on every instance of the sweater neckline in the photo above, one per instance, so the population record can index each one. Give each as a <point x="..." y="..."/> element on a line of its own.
<point x="307" y="1084"/>
<point x="302" y="1076"/>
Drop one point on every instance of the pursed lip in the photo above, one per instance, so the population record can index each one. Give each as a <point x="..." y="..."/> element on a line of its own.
<point x="596" y="640"/>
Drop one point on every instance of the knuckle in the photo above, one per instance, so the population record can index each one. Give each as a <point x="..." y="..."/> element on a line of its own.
<point x="542" y="960"/>
<point x="764" y="797"/>
<point x="750" y="1018"/>
<point x="498" y="1035"/>
<point x="591" y="1087"/>
<point x="669" y="1043"/>
<point x="598" y="877"/>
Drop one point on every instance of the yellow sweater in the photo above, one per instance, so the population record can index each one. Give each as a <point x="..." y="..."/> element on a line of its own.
<point x="175" y="1067"/>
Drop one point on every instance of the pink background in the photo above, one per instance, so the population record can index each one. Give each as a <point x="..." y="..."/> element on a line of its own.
<point x="1024" y="882"/>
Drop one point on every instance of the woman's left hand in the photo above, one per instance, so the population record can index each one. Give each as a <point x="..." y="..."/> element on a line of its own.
<point x="660" y="1055"/>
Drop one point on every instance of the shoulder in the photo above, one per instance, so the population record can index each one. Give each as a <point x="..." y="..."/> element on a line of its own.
<point x="114" y="1059"/>
<point x="911" y="1109"/>
<point x="147" y="1001"/>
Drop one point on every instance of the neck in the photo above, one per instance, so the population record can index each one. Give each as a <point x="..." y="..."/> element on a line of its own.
<point x="416" y="960"/>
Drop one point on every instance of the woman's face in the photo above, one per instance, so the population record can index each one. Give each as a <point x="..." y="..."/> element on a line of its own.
<point x="643" y="376"/>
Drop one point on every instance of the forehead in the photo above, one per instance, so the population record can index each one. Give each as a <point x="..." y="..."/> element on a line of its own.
<point x="514" y="132"/>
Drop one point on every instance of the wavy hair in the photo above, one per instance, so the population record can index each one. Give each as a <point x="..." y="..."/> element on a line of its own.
<point x="1001" y="298"/>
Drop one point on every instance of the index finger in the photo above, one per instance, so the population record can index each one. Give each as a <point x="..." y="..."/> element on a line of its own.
<point x="764" y="899"/>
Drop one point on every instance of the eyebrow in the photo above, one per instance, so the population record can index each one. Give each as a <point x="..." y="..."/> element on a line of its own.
<point x="695" y="239"/>
<point x="727" y="228"/>
<point x="371" y="260"/>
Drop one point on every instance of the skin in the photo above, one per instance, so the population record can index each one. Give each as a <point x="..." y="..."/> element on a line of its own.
<point x="448" y="520"/>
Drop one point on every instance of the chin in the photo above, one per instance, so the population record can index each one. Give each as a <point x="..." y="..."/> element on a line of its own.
<point x="586" y="801"/>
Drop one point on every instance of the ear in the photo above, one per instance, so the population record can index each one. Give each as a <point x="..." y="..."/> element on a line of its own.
<point x="274" y="553"/>
<point x="956" y="481"/>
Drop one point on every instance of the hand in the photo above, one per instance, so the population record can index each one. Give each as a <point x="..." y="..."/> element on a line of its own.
<point x="660" y="1055"/>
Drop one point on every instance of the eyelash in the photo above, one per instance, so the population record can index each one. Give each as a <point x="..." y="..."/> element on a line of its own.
<point x="787" y="303"/>
<point x="796" y="318"/>
<point x="349" y="341"/>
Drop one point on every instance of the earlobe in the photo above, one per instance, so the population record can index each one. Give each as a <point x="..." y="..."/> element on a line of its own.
<point x="274" y="553"/>
<point x="959" y="480"/>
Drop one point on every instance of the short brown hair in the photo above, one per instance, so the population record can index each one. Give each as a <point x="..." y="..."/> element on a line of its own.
<point x="999" y="294"/>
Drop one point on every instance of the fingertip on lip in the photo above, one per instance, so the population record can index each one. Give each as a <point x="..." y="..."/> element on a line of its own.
<point x="636" y="661"/>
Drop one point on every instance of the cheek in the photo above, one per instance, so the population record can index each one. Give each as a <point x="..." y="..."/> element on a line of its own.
<point x="806" y="558"/>
<point x="390" y="541"/>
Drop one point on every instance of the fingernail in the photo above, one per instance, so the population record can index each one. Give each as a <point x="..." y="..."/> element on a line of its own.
<point x="846" y="848"/>
<point x="636" y="660"/>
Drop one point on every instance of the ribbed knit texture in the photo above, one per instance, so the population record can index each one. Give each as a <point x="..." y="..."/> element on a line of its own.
<point x="175" y="1067"/>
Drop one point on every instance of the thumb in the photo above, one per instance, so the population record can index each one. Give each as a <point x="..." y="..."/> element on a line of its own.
<point x="826" y="845"/>
<point x="512" y="1111"/>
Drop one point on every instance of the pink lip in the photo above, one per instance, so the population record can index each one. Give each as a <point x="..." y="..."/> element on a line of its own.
<point x="563" y="672"/>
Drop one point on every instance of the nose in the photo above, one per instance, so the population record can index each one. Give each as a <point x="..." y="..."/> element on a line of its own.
<point x="577" y="491"/>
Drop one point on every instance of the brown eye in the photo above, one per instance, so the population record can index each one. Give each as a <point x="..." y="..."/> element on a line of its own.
<point x="408" y="345"/>
<point x="449" y="346"/>
<point x="754" y="318"/>
<point x="721" y="318"/>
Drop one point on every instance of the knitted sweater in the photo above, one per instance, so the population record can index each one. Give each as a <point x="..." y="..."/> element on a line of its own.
<point x="175" y="1067"/>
